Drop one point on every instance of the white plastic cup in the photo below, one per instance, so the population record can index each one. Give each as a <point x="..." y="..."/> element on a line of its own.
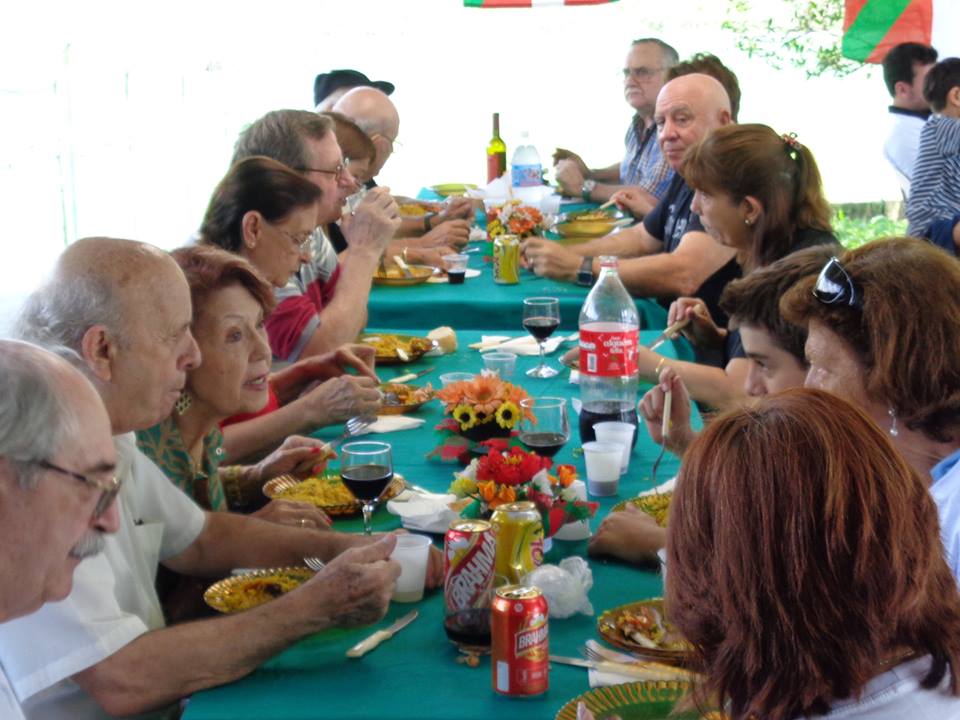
<point x="603" y="467"/>
<point x="412" y="552"/>
<point x="502" y="363"/>
<point x="619" y="433"/>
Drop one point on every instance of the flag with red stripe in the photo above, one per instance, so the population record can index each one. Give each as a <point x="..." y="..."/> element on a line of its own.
<point x="872" y="27"/>
<point x="530" y="3"/>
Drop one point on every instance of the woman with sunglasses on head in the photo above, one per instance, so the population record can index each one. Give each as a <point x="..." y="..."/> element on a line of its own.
<point x="265" y="213"/>
<point x="805" y="568"/>
<point x="882" y="332"/>
<point x="761" y="194"/>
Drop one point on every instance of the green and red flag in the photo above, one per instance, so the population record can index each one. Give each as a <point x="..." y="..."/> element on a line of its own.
<point x="872" y="27"/>
<point x="530" y="3"/>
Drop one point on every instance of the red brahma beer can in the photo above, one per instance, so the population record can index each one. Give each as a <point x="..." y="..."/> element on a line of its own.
<point x="469" y="553"/>
<point x="520" y="652"/>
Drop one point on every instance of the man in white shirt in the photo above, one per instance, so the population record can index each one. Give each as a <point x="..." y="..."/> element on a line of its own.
<point x="125" y="308"/>
<point x="904" y="69"/>
<point x="57" y="484"/>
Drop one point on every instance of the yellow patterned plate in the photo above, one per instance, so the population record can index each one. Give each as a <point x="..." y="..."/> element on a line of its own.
<point x="613" y="627"/>
<point x="453" y="189"/>
<point x="646" y="700"/>
<point x="410" y="396"/>
<point x="396" y="277"/>
<point x="656" y="505"/>
<point x="327" y="492"/>
<point x="395" y="349"/>
<point x="242" y="592"/>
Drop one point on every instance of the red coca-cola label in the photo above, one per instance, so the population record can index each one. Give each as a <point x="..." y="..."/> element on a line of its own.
<point x="608" y="349"/>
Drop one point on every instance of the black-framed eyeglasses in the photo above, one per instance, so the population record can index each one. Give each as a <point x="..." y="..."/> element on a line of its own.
<point x="641" y="73"/>
<point x="834" y="286"/>
<point x="337" y="172"/>
<point x="108" y="488"/>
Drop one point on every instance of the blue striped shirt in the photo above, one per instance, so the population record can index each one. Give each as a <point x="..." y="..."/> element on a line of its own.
<point x="644" y="164"/>
<point x="935" y="186"/>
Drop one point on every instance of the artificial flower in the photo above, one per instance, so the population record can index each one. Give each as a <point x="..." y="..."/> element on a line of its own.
<point x="487" y="490"/>
<point x="463" y="486"/>
<point x="485" y="394"/>
<point x="465" y="415"/>
<point x="505" y="494"/>
<point x="566" y="474"/>
<point x="507" y="415"/>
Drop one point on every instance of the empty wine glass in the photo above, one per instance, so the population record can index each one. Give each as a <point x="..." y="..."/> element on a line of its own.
<point x="366" y="468"/>
<point x="541" y="316"/>
<point x="549" y="429"/>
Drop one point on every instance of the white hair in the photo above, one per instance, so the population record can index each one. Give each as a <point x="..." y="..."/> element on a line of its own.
<point x="35" y="415"/>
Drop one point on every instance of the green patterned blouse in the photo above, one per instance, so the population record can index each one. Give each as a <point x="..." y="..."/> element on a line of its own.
<point x="162" y="444"/>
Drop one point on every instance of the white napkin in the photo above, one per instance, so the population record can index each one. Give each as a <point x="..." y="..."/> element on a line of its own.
<point x="524" y="345"/>
<point x="392" y="423"/>
<point x="427" y="512"/>
<point x="663" y="488"/>
<point x="477" y="234"/>
<point x="468" y="273"/>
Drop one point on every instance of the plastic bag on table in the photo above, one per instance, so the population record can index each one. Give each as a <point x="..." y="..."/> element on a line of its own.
<point x="565" y="586"/>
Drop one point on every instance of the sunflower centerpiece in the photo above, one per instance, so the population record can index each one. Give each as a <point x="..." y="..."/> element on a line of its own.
<point x="483" y="411"/>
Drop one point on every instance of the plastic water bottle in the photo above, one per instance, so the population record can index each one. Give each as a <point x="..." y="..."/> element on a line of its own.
<point x="609" y="338"/>
<point x="526" y="171"/>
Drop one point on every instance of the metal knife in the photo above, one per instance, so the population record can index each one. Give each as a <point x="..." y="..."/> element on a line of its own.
<point x="645" y="671"/>
<point x="369" y="643"/>
<point x="410" y="376"/>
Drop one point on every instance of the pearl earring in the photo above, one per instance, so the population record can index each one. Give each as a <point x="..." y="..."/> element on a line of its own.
<point x="893" y="422"/>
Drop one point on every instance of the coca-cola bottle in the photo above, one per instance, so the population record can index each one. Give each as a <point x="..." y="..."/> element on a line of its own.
<point x="609" y="336"/>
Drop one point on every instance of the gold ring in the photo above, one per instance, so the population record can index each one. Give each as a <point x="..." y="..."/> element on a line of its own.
<point x="303" y="522"/>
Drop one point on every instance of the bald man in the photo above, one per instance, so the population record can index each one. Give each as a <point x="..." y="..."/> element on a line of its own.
<point x="377" y="116"/>
<point x="124" y="308"/>
<point x="669" y="255"/>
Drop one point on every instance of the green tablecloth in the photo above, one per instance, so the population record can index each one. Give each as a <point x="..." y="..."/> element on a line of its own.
<point x="414" y="675"/>
<point x="480" y="303"/>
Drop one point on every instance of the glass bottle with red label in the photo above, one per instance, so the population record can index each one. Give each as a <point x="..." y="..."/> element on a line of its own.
<point x="609" y="336"/>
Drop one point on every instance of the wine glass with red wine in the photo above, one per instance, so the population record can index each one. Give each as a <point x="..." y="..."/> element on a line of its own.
<point x="549" y="429"/>
<point x="541" y="316"/>
<point x="366" y="468"/>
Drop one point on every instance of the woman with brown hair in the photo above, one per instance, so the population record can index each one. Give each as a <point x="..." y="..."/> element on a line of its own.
<point x="806" y="570"/>
<point x="761" y="194"/>
<point x="882" y="331"/>
<point x="265" y="212"/>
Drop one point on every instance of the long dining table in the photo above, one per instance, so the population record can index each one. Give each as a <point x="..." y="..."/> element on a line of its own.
<point x="416" y="674"/>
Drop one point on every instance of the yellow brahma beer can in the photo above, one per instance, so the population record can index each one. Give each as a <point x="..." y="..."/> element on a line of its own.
<point x="520" y="644"/>
<point x="519" y="532"/>
<point x="506" y="260"/>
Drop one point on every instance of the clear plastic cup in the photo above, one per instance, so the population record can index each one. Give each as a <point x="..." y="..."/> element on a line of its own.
<point x="412" y="552"/>
<point x="452" y="377"/>
<point x="603" y="467"/>
<point x="502" y="363"/>
<point x="456" y="268"/>
<point x="619" y="433"/>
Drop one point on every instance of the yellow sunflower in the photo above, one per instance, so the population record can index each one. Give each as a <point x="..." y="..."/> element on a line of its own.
<point x="465" y="415"/>
<point x="507" y="415"/>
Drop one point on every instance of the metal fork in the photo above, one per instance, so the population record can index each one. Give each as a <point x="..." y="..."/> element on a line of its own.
<point x="354" y="426"/>
<point x="314" y="563"/>
<point x="590" y="654"/>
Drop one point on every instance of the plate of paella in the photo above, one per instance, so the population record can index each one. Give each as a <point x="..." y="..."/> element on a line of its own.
<point x="643" y="628"/>
<point x="325" y="491"/>
<point x="400" y="398"/>
<point x="396" y="349"/>
<point x="243" y="592"/>
<point x="656" y="505"/>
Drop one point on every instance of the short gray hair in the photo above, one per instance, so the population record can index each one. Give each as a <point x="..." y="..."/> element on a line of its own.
<point x="280" y="134"/>
<point x="669" y="55"/>
<point x="61" y="312"/>
<point x="35" y="415"/>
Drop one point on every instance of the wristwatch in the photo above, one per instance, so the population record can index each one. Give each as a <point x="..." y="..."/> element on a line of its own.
<point x="427" y="225"/>
<point x="585" y="273"/>
<point x="587" y="188"/>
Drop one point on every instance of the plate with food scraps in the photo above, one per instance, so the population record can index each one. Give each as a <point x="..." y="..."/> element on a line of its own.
<point x="642" y="628"/>
<point x="419" y="209"/>
<point x="397" y="349"/>
<point x="656" y="505"/>
<point x="242" y="592"/>
<point x="395" y="277"/>
<point x="325" y="491"/>
<point x="452" y="189"/>
<point x="640" y="700"/>
<point x="400" y="398"/>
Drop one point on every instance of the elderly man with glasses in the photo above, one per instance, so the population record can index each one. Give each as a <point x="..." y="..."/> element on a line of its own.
<point x="124" y="307"/>
<point x="57" y="488"/>
<point x="643" y="168"/>
<point x="324" y="305"/>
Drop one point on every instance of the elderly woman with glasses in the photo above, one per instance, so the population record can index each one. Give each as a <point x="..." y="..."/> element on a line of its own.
<point x="845" y="607"/>
<point x="265" y="212"/>
<point x="882" y="331"/>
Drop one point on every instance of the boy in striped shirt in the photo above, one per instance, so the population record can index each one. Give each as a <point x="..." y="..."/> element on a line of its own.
<point x="933" y="208"/>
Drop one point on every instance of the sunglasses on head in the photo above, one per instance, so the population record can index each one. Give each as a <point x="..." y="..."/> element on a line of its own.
<point x="834" y="286"/>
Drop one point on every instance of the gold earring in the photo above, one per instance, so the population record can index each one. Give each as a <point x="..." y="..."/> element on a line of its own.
<point x="183" y="403"/>
<point x="748" y="222"/>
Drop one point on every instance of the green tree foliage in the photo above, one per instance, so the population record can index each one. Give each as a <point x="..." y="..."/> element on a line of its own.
<point x="801" y="33"/>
